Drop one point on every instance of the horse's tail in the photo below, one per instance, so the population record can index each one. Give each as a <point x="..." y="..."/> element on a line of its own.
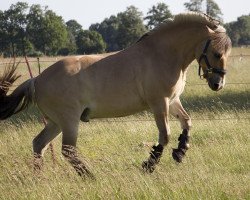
<point x="19" y="99"/>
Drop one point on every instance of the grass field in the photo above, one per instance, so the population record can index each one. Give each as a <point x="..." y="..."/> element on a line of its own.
<point x="217" y="166"/>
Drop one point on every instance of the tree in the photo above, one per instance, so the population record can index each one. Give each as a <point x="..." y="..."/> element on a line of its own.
<point x="46" y="30"/>
<point x="130" y="27"/>
<point x="157" y="14"/>
<point x="56" y="36"/>
<point x="74" y="27"/>
<point x="122" y="30"/>
<point x="70" y="46"/>
<point x="239" y="31"/>
<point x="194" y="5"/>
<point x="36" y="27"/>
<point x="4" y="40"/>
<point x="13" y="29"/>
<point x="212" y="8"/>
<point x="109" y="30"/>
<point x="90" y="42"/>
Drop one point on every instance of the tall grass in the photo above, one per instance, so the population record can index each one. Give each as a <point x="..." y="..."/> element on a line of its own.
<point x="217" y="166"/>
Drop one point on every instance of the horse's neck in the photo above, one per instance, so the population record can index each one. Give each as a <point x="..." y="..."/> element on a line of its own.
<point x="183" y="40"/>
<point x="188" y="40"/>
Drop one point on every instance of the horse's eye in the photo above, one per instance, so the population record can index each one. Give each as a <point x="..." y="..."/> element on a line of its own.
<point x="217" y="55"/>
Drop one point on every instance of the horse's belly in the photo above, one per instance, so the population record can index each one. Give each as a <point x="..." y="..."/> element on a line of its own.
<point x="115" y="108"/>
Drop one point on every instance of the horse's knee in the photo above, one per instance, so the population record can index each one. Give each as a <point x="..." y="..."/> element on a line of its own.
<point x="164" y="138"/>
<point x="189" y="123"/>
<point x="186" y="123"/>
<point x="40" y="142"/>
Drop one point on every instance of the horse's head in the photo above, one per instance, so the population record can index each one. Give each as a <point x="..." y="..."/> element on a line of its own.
<point x="212" y="55"/>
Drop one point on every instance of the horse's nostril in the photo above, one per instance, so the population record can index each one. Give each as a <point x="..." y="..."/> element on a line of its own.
<point x="216" y="85"/>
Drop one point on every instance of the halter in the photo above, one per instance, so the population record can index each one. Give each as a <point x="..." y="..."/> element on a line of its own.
<point x="209" y="69"/>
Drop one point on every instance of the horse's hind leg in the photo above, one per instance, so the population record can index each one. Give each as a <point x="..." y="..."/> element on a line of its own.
<point x="42" y="140"/>
<point x="178" y="111"/>
<point x="69" y="150"/>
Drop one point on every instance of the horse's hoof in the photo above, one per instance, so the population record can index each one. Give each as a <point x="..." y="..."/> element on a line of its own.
<point x="91" y="176"/>
<point x="85" y="173"/>
<point x="178" y="155"/>
<point x="37" y="163"/>
<point x="148" y="167"/>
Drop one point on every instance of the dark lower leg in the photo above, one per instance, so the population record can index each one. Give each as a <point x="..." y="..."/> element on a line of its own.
<point x="70" y="153"/>
<point x="38" y="162"/>
<point x="153" y="159"/>
<point x="183" y="146"/>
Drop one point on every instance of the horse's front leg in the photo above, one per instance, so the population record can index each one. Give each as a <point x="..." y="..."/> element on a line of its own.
<point x="160" y="110"/>
<point x="178" y="111"/>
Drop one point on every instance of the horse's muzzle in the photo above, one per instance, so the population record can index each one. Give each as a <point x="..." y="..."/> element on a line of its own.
<point x="215" y="86"/>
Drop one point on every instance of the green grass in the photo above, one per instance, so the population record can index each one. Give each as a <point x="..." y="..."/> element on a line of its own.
<point x="217" y="166"/>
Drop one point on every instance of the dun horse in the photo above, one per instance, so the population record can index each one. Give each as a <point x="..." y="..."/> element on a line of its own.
<point x="150" y="74"/>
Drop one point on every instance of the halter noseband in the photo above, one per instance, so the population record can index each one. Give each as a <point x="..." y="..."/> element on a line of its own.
<point x="209" y="69"/>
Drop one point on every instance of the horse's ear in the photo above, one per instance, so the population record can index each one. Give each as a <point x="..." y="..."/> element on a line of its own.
<point x="209" y="30"/>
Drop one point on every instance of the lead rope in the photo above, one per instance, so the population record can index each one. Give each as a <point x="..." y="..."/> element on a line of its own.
<point x="43" y="119"/>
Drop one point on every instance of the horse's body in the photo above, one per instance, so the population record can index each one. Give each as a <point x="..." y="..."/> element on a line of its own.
<point x="109" y="85"/>
<point x="148" y="75"/>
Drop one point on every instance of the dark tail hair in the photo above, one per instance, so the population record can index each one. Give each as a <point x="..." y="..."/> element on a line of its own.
<point x="19" y="99"/>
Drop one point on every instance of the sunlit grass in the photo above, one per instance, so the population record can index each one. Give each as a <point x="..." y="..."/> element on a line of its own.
<point x="217" y="165"/>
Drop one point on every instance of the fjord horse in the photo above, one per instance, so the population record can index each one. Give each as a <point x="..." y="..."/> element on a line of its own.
<point x="150" y="74"/>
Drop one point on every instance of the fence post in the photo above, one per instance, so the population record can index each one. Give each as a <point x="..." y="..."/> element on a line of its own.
<point x="39" y="66"/>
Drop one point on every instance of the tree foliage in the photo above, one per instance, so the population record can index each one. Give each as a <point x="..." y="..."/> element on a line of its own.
<point x="239" y="31"/>
<point x="46" y="30"/>
<point x="35" y="29"/>
<point x="211" y="9"/>
<point x="121" y="30"/>
<point x="157" y="14"/>
<point x="90" y="42"/>
<point x="108" y="28"/>
<point x="13" y="28"/>
<point x="194" y="5"/>
<point x="74" y="27"/>
<point x="130" y="28"/>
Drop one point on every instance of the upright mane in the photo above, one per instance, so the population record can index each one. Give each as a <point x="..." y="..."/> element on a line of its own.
<point x="187" y="18"/>
<point x="219" y="40"/>
<point x="195" y="17"/>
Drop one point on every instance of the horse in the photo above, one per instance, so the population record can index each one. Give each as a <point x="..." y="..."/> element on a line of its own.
<point x="148" y="75"/>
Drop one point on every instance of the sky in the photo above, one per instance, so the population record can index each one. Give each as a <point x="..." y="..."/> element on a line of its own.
<point x="87" y="12"/>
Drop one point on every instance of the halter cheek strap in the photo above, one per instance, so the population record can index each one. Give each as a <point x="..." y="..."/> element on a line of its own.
<point x="209" y="69"/>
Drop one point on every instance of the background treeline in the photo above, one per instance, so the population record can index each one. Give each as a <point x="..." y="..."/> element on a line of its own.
<point x="35" y="30"/>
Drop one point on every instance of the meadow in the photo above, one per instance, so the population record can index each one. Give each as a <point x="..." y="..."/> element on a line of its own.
<point x="217" y="166"/>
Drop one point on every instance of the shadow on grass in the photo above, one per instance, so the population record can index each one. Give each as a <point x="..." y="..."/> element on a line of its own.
<point x="239" y="101"/>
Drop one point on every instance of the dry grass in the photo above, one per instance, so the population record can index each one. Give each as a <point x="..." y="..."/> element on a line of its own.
<point x="217" y="165"/>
